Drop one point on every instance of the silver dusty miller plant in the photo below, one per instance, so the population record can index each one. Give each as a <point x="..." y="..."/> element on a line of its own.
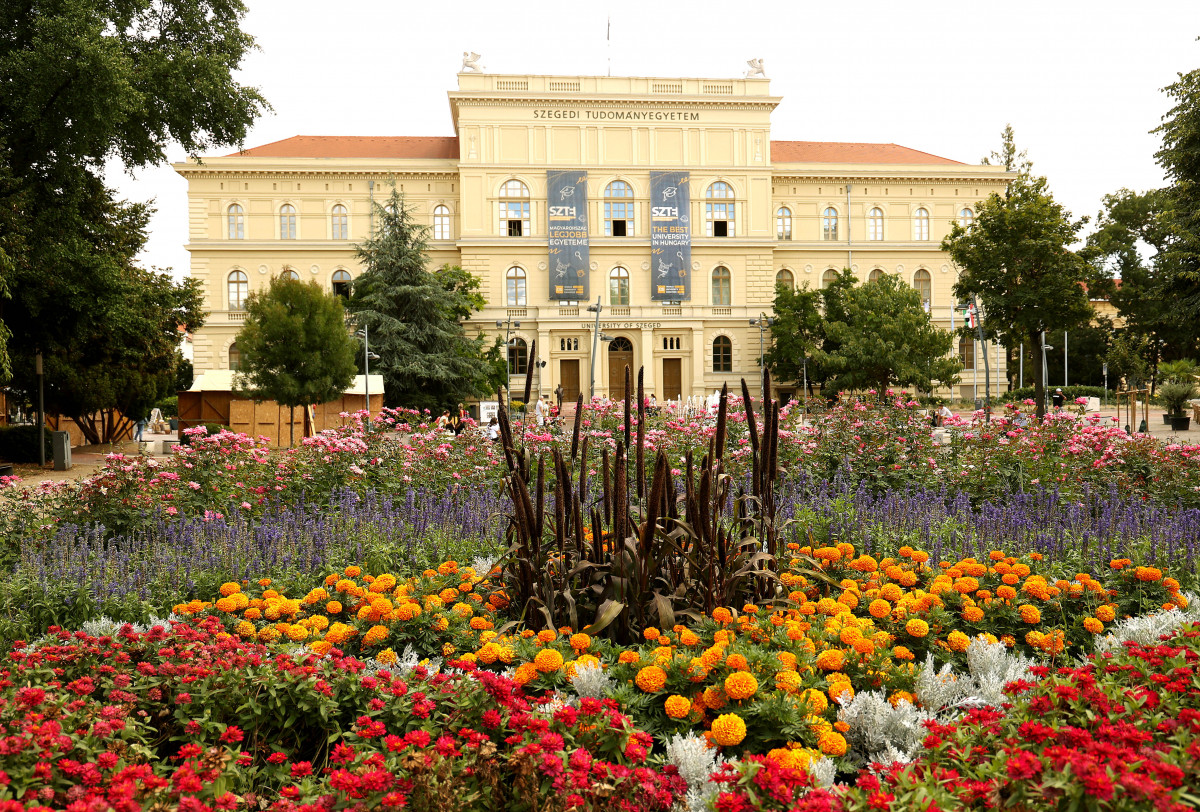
<point x="590" y="681"/>
<point x="1146" y="629"/>
<point x="696" y="762"/>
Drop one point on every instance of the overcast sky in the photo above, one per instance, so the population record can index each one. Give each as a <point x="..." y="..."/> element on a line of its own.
<point x="1080" y="82"/>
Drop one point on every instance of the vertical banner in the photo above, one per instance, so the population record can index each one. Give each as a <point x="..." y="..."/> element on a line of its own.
<point x="566" y="200"/>
<point x="670" y="237"/>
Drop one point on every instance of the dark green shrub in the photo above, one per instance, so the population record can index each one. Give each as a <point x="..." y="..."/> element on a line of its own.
<point x="1069" y="392"/>
<point x="19" y="444"/>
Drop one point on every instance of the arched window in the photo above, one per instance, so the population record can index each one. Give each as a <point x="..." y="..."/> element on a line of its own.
<point x="239" y="289"/>
<point x="966" y="217"/>
<point x="235" y="357"/>
<point x="785" y="278"/>
<point x="514" y="209"/>
<point x="966" y="351"/>
<point x="287" y="222"/>
<point x="618" y="287"/>
<point x="828" y="278"/>
<point x="441" y="223"/>
<point x="875" y="224"/>
<point x="875" y="275"/>
<point x="719" y="210"/>
<point x="515" y="287"/>
<point x="783" y="223"/>
<point x="341" y="222"/>
<point x="235" y="217"/>
<point x="923" y="283"/>
<point x="289" y="273"/>
<point x="921" y="224"/>
<point x="829" y="225"/>
<point x="341" y="283"/>
<point x="722" y="287"/>
<point x="518" y="356"/>
<point x="722" y="354"/>
<point x="618" y="209"/>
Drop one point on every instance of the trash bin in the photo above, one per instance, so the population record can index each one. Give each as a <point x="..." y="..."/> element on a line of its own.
<point x="60" y="445"/>
<point x="979" y="404"/>
<point x="174" y="423"/>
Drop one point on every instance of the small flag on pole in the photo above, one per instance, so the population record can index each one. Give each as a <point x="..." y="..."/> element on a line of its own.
<point x="970" y="317"/>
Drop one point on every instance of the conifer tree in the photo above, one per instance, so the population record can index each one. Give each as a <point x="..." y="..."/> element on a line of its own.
<point x="415" y="317"/>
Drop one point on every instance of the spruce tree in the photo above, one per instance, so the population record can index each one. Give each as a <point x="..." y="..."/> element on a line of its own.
<point x="415" y="318"/>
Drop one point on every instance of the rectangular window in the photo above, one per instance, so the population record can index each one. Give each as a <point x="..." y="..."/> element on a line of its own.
<point x="720" y="228"/>
<point x="514" y="228"/>
<point x="720" y="219"/>
<point x="514" y="218"/>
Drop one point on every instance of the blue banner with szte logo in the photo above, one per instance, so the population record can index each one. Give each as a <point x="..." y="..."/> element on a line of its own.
<point x="566" y="201"/>
<point x="670" y="237"/>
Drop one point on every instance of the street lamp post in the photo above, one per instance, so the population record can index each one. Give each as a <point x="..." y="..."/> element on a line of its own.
<point x="37" y="367"/>
<point x="596" y="308"/>
<point x="1045" y="374"/>
<point x="762" y="322"/>
<point x="508" y="326"/>
<point x="368" y="357"/>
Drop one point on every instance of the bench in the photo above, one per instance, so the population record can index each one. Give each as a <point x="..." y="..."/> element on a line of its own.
<point x="168" y="446"/>
<point x="6" y="469"/>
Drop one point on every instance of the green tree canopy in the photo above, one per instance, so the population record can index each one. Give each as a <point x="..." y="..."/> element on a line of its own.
<point x="1017" y="261"/>
<point x="295" y="347"/>
<point x="81" y="83"/>
<point x="796" y="333"/>
<point x="415" y="317"/>
<point x="881" y="335"/>
<point x="1180" y="159"/>
<point x="118" y="355"/>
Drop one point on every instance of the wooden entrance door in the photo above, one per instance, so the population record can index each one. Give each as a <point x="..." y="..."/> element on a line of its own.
<point x="568" y="376"/>
<point x="620" y="355"/>
<point x="672" y="378"/>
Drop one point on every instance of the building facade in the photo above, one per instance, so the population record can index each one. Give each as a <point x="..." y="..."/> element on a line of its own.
<point x="665" y="201"/>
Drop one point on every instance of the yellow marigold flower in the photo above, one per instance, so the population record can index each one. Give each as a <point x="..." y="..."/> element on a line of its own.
<point x="677" y="706"/>
<point x="229" y="588"/>
<point x="714" y="698"/>
<point x="729" y="730"/>
<point x="628" y="656"/>
<point x="448" y="568"/>
<point x="1035" y="639"/>
<point x="916" y="627"/>
<point x="1030" y="614"/>
<point x="525" y="673"/>
<point x="1093" y="625"/>
<point x="972" y="614"/>
<point x="787" y="660"/>
<point x="958" y="641"/>
<point x="580" y="641"/>
<point x="297" y="632"/>
<point x="386" y="657"/>
<point x="448" y="649"/>
<point x="245" y="629"/>
<point x="737" y="662"/>
<point x="651" y="679"/>
<point x="902" y="696"/>
<point x="268" y="634"/>
<point x="815" y="700"/>
<point x="548" y="660"/>
<point x="740" y="685"/>
<point x="832" y="744"/>
<point x="831" y="660"/>
<point x="787" y="681"/>
<point x="841" y="691"/>
<point x="320" y="647"/>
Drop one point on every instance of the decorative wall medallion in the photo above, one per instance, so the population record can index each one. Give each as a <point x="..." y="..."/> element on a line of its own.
<point x="854" y="268"/>
<point x="808" y="269"/>
<point x="945" y="269"/>
<point x="542" y="266"/>
<point x="262" y="269"/>
<point x="315" y="269"/>
<point x="696" y="265"/>
<point x="899" y="269"/>
<point x="645" y="266"/>
<point x="595" y="266"/>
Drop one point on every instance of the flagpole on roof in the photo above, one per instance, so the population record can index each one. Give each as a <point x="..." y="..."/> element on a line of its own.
<point x="608" y="41"/>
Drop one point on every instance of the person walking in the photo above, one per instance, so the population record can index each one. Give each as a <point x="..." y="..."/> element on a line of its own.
<point x="1058" y="399"/>
<point x="539" y="411"/>
<point x="141" y="429"/>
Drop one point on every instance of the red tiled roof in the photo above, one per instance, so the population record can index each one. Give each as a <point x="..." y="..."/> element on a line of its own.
<point x="841" y="152"/>
<point x="402" y="146"/>
<point x="356" y="146"/>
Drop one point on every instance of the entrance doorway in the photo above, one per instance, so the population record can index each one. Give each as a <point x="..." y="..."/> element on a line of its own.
<point x="620" y="355"/>
<point x="672" y="378"/>
<point x="568" y="376"/>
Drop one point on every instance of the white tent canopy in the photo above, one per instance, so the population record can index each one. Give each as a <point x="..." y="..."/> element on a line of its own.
<point x="221" y="380"/>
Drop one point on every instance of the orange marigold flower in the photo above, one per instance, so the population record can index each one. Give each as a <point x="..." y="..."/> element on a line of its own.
<point x="688" y="638"/>
<point x="905" y="551"/>
<point x="787" y="681"/>
<point x="740" y="685"/>
<point x="229" y="588"/>
<point x="1148" y="573"/>
<point x="815" y="700"/>
<point x="352" y="571"/>
<point x="547" y="635"/>
<point x="902" y="653"/>
<point x="972" y="614"/>
<point x="996" y="555"/>
<point x="902" y="696"/>
<point x="376" y="634"/>
<point x="958" y="641"/>
<point x="832" y="744"/>
<point x="966" y="585"/>
<point x="737" y="662"/>
<point x="386" y="657"/>
<point x="728" y="729"/>
<point x="651" y="679"/>
<point x="525" y="673"/>
<point x="1030" y="614"/>
<point x="879" y="608"/>
<point x="920" y="556"/>
<point x="1093" y="625"/>
<point x="580" y="641"/>
<point x="548" y="660"/>
<point x="628" y="656"/>
<point x="722" y="615"/>
<point x="677" y="706"/>
<point x="891" y="592"/>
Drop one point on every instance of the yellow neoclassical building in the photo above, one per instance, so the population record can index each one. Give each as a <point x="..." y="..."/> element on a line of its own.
<point x="664" y="200"/>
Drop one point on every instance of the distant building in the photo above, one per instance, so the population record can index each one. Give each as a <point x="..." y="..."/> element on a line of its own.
<point x="666" y="199"/>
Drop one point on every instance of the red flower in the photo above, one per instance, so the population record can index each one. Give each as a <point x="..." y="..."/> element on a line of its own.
<point x="232" y="735"/>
